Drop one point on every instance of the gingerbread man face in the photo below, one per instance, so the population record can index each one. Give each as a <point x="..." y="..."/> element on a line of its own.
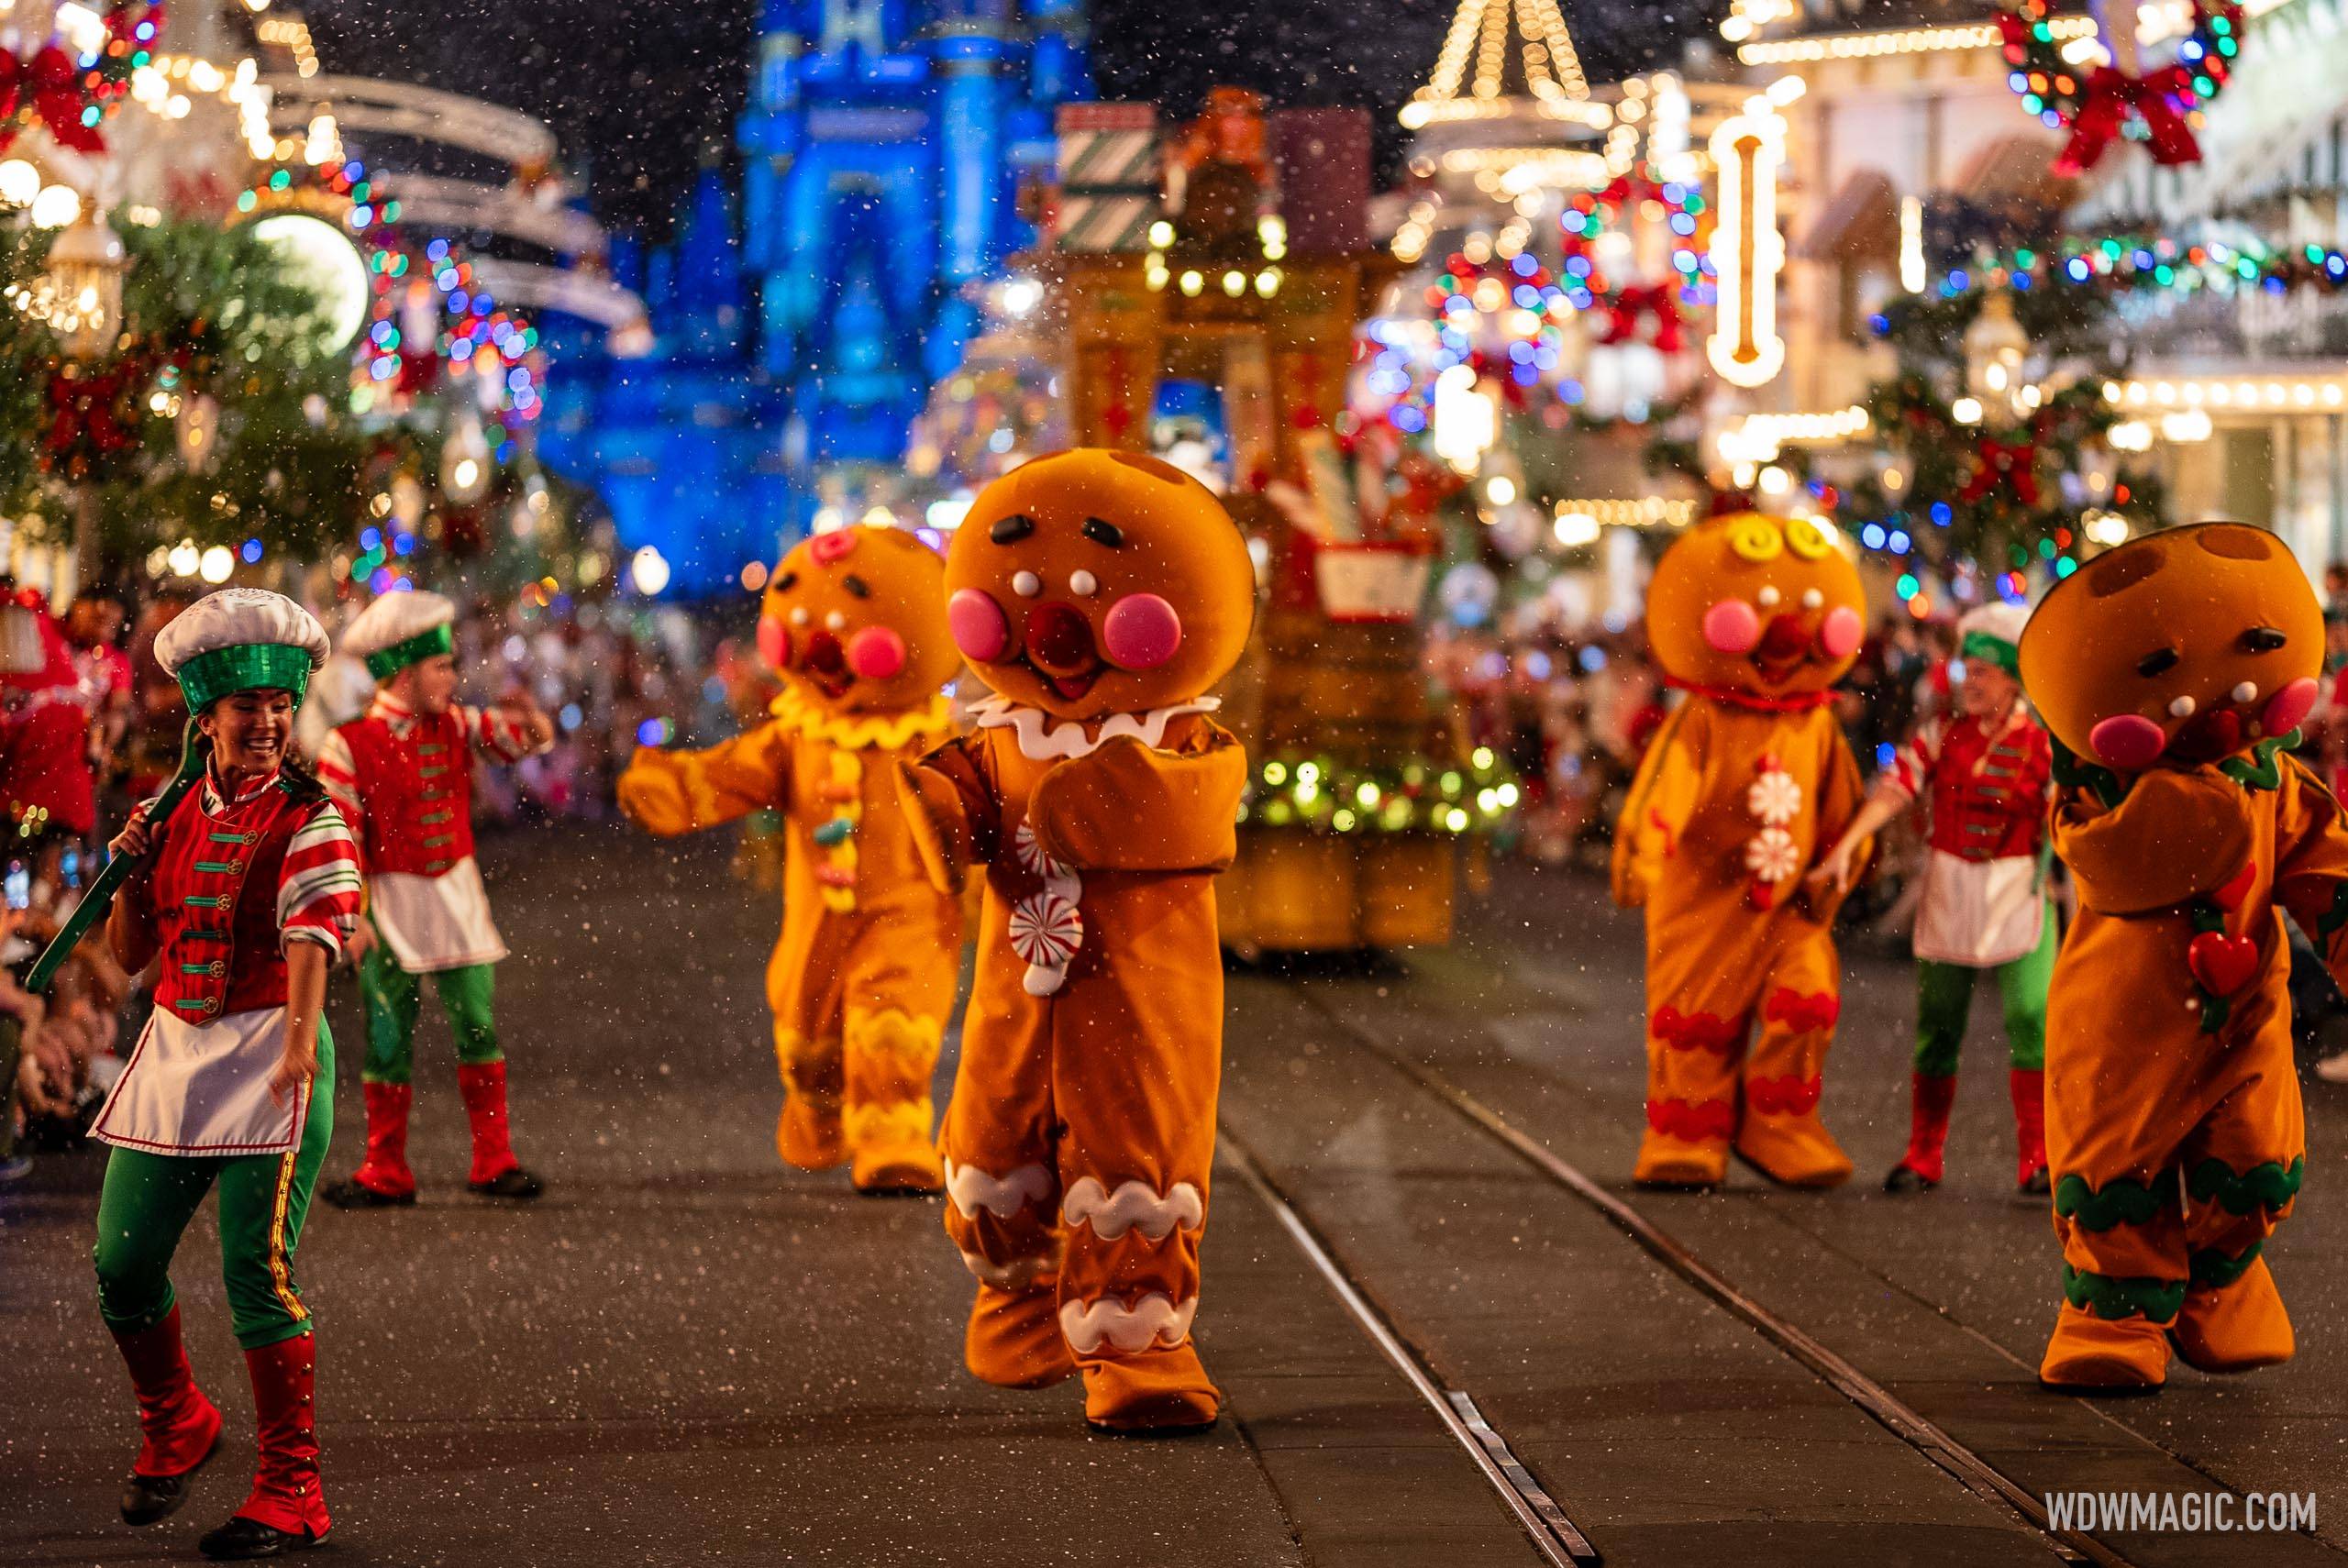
<point x="1767" y="606"/>
<point x="2180" y="647"/>
<point x="852" y="619"/>
<point x="1089" y="583"/>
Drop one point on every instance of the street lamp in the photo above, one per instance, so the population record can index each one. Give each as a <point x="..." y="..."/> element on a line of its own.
<point x="86" y="267"/>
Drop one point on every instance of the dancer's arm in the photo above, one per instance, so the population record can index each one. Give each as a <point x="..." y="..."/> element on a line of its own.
<point x="1129" y="807"/>
<point x="673" y="792"/>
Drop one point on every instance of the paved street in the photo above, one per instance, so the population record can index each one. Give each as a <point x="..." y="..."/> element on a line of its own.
<point x="687" y="1354"/>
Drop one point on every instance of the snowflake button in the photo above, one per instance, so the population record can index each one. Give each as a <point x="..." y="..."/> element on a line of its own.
<point x="1772" y="855"/>
<point x="1775" y="798"/>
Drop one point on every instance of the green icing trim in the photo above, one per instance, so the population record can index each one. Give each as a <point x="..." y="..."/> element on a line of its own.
<point x="2268" y="1186"/>
<point x="247" y="666"/>
<point x="2259" y="770"/>
<point x="2214" y="1269"/>
<point x="2073" y="774"/>
<point x="384" y="663"/>
<point x="2122" y="1201"/>
<point x="2107" y="1296"/>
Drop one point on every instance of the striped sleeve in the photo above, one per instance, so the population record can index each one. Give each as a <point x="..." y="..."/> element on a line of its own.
<point x="1911" y="767"/>
<point x="319" y="894"/>
<point x="495" y="732"/>
<point x="338" y="771"/>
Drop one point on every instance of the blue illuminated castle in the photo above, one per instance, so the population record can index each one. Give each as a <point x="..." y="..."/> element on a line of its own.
<point x="799" y="326"/>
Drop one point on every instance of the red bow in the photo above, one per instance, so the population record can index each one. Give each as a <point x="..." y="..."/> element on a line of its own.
<point x="2113" y="98"/>
<point x="82" y="426"/>
<point x="1658" y="299"/>
<point x="2013" y="464"/>
<point x="53" y="82"/>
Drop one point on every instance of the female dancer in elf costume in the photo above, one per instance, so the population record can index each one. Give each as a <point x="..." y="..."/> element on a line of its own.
<point x="863" y="977"/>
<point x="402" y="775"/>
<point x="1099" y="594"/>
<point x="1988" y="776"/>
<point x="252" y="889"/>
<point x="2174" y="672"/>
<point x="1754" y="619"/>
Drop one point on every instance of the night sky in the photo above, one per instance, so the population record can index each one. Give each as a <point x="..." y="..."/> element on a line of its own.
<point x="640" y="91"/>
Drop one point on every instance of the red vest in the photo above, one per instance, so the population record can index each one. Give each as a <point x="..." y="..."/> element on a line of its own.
<point x="416" y="793"/>
<point x="210" y="897"/>
<point x="1989" y="800"/>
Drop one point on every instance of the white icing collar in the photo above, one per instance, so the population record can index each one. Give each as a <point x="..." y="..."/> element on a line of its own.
<point x="1045" y="738"/>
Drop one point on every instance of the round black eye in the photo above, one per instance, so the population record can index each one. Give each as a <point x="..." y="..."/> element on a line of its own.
<point x="856" y="586"/>
<point x="2157" y="662"/>
<point x="1011" y="529"/>
<point x="2263" y="640"/>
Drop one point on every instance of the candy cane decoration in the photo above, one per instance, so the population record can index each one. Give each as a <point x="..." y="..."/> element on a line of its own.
<point x="1748" y="250"/>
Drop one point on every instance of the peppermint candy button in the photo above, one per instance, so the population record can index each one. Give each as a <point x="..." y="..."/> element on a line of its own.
<point x="1032" y="859"/>
<point x="1046" y="930"/>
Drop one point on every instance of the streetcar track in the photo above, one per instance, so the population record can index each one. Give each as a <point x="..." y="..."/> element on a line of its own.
<point x="1955" y="1459"/>
<point x="1558" y="1539"/>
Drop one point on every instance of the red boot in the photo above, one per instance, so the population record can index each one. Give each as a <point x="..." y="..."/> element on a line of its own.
<point x="495" y="1173"/>
<point x="286" y="1506"/>
<point x="2028" y="1086"/>
<point x="178" y="1428"/>
<point x="1920" y="1170"/>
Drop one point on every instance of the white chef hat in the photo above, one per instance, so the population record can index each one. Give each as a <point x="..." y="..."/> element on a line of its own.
<point x="399" y="629"/>
<point x="241" y="639"/>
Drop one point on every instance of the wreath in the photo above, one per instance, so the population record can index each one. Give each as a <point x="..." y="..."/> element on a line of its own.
<point x="2101" y="104"/>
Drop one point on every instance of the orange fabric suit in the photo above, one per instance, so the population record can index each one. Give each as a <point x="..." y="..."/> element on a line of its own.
<point x="1098" y="593"/>
<point x="862" y="978"/>
<point x="1730" y="955"/>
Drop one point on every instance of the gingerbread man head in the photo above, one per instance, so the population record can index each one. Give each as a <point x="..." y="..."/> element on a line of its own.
<point x="1089" y="582"/>
<point x="851" y="621"/>
<point x="1763" y="607"/>
<point x="2180" y="647"/>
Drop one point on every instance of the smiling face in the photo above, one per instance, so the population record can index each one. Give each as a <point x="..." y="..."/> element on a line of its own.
<point x="854" y="620"/>
<point x="2180" y="647"/>
<point x="1089" y="582"/>
<point x="1767" y="606"/>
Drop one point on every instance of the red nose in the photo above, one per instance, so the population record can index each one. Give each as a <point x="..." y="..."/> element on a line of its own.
<point x="1785" y="640"/>
<point x="1059" y="640"/>
<point x="2212" y="734"/>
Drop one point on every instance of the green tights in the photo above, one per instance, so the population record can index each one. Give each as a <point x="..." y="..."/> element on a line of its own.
<point x="1944" y="1000"/>
<point x="393" y="994"/>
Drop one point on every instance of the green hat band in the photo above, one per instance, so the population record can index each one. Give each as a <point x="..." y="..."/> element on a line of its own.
<point x="1980" y="647"/>
<point x="384" y="663"/>
<point x="247" y="666"/>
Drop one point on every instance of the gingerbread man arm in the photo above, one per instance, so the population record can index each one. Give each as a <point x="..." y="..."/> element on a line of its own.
<point x="952" y="809"/>
<point x="2173" y="836"/>
<point x="671" y="793"/>
<point x="1128" y="807"/>
<point x="1664" y="795"/>
<point x="2311" y="870"/>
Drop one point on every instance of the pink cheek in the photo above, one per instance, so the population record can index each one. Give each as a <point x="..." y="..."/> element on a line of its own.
<point x="876" y="652"/>
<point x="1731" y="627"/>
<point x="979" y="628"/>
<point x="774" y="642"/>
<point x="1141" y="631"/>
<point x="2289" y="706"/>
<point x="2129" y="741"/>
<point x="1839" y="637"/>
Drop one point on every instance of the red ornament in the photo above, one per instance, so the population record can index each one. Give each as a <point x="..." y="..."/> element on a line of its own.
<point x="2221" y="964"/>
<point x="2013" y="464"/>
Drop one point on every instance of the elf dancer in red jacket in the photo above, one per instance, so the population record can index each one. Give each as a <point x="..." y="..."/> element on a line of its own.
<point x="403" y="775"/>
<point x="249" y="892"/>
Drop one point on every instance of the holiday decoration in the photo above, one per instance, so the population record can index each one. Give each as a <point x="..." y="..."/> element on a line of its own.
<point x="70" y="84"/>
<point x="2103" y="102"/>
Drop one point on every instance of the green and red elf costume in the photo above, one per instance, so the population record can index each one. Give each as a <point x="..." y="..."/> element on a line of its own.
<point x="404" y="780"/>
<point x="236" y="878"/>
<point x="1986" y="783"/>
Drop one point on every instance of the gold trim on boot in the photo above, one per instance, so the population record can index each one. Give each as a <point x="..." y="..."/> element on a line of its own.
<point x="892" y="1147"/>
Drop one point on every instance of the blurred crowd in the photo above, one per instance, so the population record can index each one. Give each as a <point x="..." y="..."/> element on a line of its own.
<point x="90" y="725"/>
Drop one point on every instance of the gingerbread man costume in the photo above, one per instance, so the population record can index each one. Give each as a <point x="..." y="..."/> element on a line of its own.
<point x="2174" y="672"/>
<point x="1099" y="594"/>
<point x="863" y="976"/>
<point x="1754" y="619"/>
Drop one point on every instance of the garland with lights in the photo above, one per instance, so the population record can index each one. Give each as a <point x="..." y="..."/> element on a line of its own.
<point x="2130" y="263"/>
<point x="1319" y="793"/>
<point x="2101" y="104"/>
<point x="71" y="94"/>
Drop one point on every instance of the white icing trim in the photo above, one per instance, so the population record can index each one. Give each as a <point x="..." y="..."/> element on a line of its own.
<point x="1154" y="1320"/>
<point x="1066" y="737"/>
<point x="972" y="1190"/>
<point x="1134" y="1203"/>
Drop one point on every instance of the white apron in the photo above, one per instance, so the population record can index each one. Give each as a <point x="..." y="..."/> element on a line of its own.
<point x="204" y="1088"/>
<point x="1979" y="913"/>
<point x="433" y="923"/>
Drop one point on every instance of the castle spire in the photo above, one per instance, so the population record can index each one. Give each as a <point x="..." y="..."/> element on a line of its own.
<point x="1476" y="59"/>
